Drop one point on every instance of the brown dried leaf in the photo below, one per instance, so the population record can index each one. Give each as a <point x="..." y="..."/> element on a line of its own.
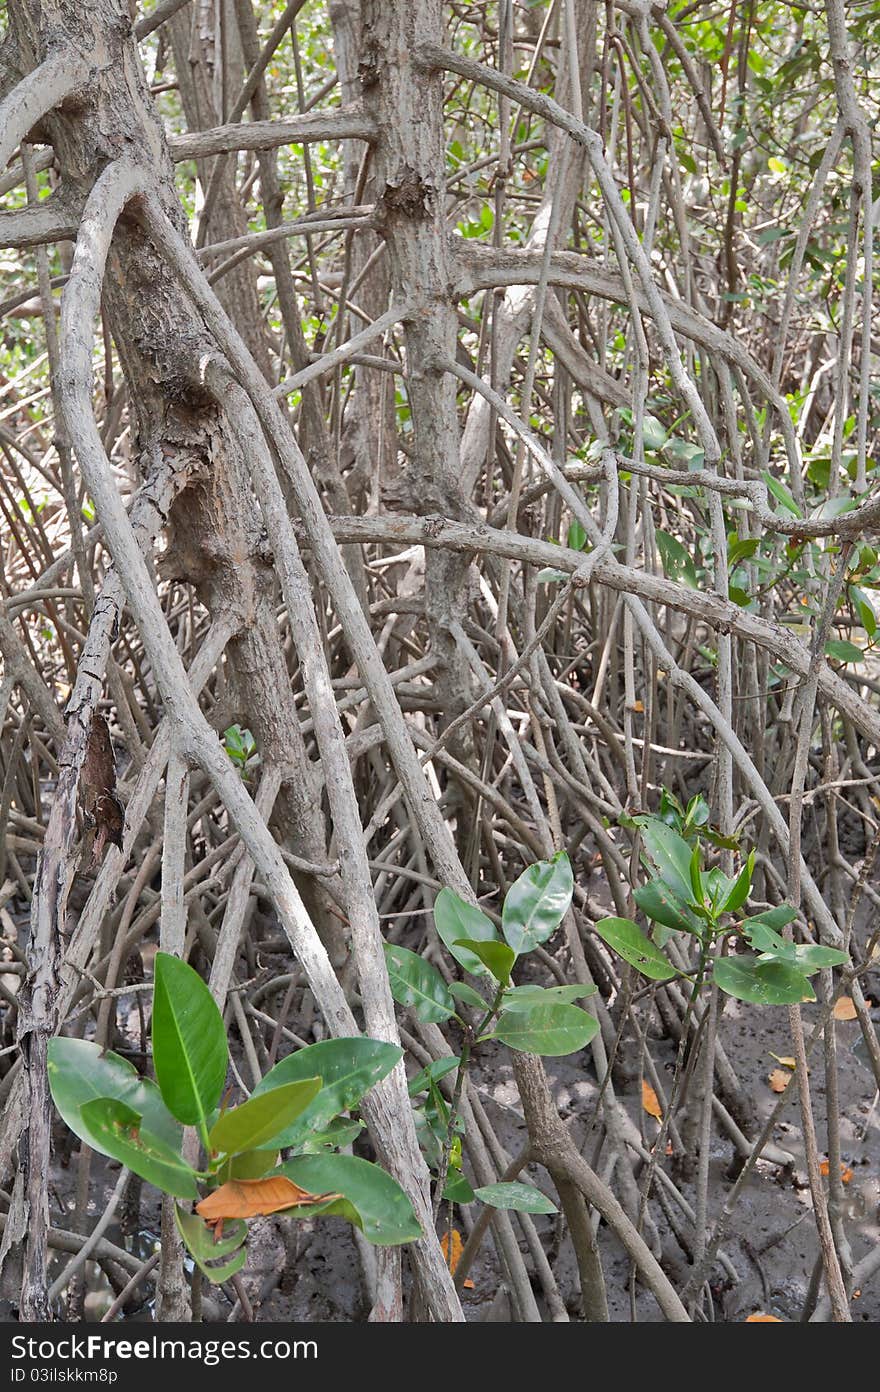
<point x="650" y="1101"/>
<point x="779" y="1080"/>
<point x="844" y="1009"/>
<point x="760" y="1318"/>
<point x="246" y="1198"/>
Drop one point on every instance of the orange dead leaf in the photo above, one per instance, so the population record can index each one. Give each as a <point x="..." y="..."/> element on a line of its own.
<point x="844" y="1009"/>
<point x="453" y="1254"/>
<point x="760" y="1318"/>
<point x="846" y="1173"/>
<point x="650" y="1101"/>
<point x="246" y="1198"/>
<point x="778" y="1080"/>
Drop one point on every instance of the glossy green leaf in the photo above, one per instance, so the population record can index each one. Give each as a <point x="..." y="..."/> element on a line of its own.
<point x="761" y="983"/>
<point x="371" y="1199"/>
<point x="812" y="957"/>
<point x="249" y="1164"/>
<point x="781" y="494"/>
<point x="774" y="920"/>
<point x="263" y="1117"/>
<point x="454" y="919"/>
<point x="497" y="957"/>
<point x="677" y="563"/>
<point x="630" y="943"/>
<point x="527" y="997"/>
<point x="743" y="883"/>
<point x="697" y="814"/>
<point x="654" y="434"/>
<point x="525" y="1198"/>
<point x="457" y="1189"/>
<point x="670" y="853"/>
<point x="415" y="983"/>
<point x="843" y="651"/>
<point x="467" y="995"/>
<point x="657" y="902"/>
<point x="338" y="1134"/>
<point x="119" y="1132"/>
<point x="697" y="887"/>
<point x="741" y="549"/>
<point x="434" y="1071"/>
<point x="537" y="902"/>
<point x="79" y="1072"/>
<point x="190" y="1055"/>
<point x="550" y="1030"/>
<point x="865" y="610"/>
<point x="348" y="1068"/>
<point x="206" y="1250"/>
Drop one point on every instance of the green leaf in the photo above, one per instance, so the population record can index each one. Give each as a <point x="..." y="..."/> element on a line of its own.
<point x="781" y="494"/>
<point x="697" y="888"/>
<point x="670" y="853"/>
<point x="762" y="930"/>
<point x="740" y="892"/>
<point x="657" y="902"/>
<point x="741" y="550"/>
<point x="438" y="1069"/>
<point x="549" y="576"/>
<point x="457" y="1189"/>
<point x="338" y="1134"/>
<point x="739" y="596"/>
<point x="811" y="957"/>
<point x="577" y="537"/>
<point x="348" y="1067"/>
<point x="466" y="994"/>
<point x="865" y="609"/>
<point x="775" y="919"/>
<point x="497" y="957"/>
<point x="189" y="1042"/>
<point x="79" y="1072"/>
<point x="414" y="982"/>
<point x="654" y="435"/>
<point x="262" y="1118"/>
<point x="718" y="887"/>
<point x="537" y="902"/>
<point x="697" y="814"/>
<point x="200" y="1241"/>
<point x="843" y="650"/>
<point x="676" y="561"/>
<point x="526" y="997"/>
<point x="525" y="1198"/>
<point x="454" y="919"/>
<point x="119" y="1133"/>
<point x="761" y="983"/>
<point x="550" y="1030"/>
<point x="250" y="1164"/>
<point x="630" y="943"/>
<point x="371" y="1199"/>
